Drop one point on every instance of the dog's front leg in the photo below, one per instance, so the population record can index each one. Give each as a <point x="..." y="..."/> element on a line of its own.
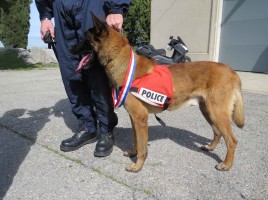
<point x="132" y="152"/>
<point x="139" y="119"/>
<point x="141" y="127"/>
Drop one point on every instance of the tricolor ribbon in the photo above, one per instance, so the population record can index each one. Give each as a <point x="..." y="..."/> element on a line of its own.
<point x="120" y="97"/>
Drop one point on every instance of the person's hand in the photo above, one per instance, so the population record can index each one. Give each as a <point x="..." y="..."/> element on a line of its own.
<point x="115" y="21"/>
<point x="47" y="25"/>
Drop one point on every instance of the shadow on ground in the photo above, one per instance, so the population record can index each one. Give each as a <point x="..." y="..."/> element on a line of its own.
<point x="187" y="139"/>
<point x="20" y="128"/>
<point x="19" y="131"/>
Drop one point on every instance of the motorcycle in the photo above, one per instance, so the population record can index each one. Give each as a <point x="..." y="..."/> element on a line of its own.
<point x="178" y="56"/>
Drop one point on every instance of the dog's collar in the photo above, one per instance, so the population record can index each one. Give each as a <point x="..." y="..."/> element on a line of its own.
<point x="119" y="97"/>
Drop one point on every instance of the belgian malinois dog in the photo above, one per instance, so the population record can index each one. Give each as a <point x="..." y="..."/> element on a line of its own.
<point x="215" y="86"/>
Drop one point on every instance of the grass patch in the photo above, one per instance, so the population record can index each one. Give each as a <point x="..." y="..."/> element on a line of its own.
<point x="98" y="170"/>
<point x="9" y="60"/>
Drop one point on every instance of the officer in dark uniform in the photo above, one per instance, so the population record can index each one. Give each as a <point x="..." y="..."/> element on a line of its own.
<point x="89" y="91"/>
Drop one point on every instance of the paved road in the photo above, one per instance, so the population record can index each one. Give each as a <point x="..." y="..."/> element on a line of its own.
<point x="35" y="117"/>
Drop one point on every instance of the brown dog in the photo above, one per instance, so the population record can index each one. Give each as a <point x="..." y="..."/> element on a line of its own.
<point x="216" y="87"/>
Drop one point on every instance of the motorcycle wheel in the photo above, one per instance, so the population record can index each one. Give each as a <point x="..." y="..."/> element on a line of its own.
<point x="187" y="59"/>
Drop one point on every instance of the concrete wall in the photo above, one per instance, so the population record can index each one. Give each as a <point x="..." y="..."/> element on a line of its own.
<point x="195" y="21"/>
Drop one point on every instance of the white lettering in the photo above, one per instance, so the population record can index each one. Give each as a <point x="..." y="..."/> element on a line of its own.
<point x="153" y="96"/>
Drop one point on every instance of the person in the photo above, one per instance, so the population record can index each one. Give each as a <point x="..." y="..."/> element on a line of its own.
<point x="89" y="92"/>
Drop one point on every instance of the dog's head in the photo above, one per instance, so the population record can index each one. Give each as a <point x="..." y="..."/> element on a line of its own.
<point x="92" y="37"/>
<point x="100" y="40"/>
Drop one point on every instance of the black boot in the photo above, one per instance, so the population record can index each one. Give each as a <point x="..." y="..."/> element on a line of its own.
<point x="78" y="140"/>
<point x="104" y="146"/>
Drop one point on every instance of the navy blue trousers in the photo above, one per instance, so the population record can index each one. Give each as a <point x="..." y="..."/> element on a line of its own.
<point x="89" y="92"/>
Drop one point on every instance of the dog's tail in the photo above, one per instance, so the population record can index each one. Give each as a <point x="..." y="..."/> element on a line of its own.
<point x="238" y="111"/>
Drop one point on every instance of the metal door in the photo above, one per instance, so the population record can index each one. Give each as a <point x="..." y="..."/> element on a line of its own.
<point x="244" y="35"/>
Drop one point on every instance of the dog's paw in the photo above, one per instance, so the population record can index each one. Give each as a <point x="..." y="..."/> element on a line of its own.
<point x="206" y="148"/>
<point x="223" y="167"/>
<point x="130" y="153"/>
<point x="133" y="168"/>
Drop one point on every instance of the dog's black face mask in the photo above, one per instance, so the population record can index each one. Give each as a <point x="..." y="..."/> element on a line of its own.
<point x="82" y="47"/>
<point x="92" y="36"/>
<point x="91" y="44"/>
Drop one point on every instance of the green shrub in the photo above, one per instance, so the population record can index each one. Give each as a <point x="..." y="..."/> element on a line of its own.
<point x="15" y="23"/>
<point x="137" y="22"/>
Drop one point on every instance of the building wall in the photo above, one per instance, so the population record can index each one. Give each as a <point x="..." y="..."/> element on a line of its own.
<point x="230" y="31"/>
<point x="195" y="21"/>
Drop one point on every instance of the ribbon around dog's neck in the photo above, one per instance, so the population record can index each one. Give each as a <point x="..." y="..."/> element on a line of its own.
<point x="120" y="97"/>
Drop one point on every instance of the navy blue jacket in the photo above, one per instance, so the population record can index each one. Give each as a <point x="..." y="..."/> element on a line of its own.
<point x="102" y="7"/>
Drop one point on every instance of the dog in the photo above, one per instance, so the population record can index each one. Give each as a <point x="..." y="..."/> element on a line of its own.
<point x="215" y="86"/>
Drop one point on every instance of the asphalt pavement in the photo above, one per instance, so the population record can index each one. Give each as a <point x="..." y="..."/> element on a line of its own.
<point x="35" y="117"/>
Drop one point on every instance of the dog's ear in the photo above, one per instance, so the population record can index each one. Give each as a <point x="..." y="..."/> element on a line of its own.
<point x="81" y="47"/>
<point x="99" y="25"/>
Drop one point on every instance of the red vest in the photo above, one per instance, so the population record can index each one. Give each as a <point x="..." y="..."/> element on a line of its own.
<point x="155" y="88"/>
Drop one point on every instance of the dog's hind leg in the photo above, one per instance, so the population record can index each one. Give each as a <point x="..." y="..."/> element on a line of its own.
<point x="217" y="134"/>
<point x="220" y="116"/>
<point x="132" y="152"/>
<point x="214" y="142"/>
<point x="231" y="141"/>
